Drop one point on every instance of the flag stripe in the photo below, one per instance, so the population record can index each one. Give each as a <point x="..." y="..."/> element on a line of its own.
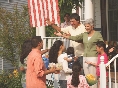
<point x="52" y="11"/>
<point x="45" y="11"/>
<point x="34" y="12"/>
<point x="55" y="12"/>
<point x="39" y="10"/>
<point x="30" y="16"/>
<point x="37" y="16"/>
<point x="58" y="13"/>
<point x="47" y="8"/>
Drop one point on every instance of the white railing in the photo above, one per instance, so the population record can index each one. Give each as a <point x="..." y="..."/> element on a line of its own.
<point x="48" y="41"/>
<point x="103" y="72"/>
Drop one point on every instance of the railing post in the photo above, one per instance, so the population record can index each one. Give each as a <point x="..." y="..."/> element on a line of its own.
<point x="102" y="73"/>
<point x="115" y="73"/>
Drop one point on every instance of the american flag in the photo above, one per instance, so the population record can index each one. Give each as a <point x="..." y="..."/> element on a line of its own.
<point x="39" y="10"/>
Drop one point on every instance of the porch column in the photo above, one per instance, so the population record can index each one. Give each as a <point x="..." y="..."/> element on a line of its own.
<point x="40" y="31"/>
<point x="89" y="10"/>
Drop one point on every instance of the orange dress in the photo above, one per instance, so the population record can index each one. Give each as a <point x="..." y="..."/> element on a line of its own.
<point x="35" y="77"/>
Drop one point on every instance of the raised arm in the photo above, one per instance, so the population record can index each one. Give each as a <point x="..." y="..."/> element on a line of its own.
<point x="53" y="25"/>
<point x="76" y="38"/>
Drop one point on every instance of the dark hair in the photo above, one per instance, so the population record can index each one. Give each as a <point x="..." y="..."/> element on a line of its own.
<point x="70" y="50"/>
<point x="53" y="53"/>
<point x="35" y="41"/>
<point x="25" y="50"/>
<point x="76" y="68"/>
<point x="101" y="44"/>
<point x="66" y="14"/>
<point x="75" y="16"/>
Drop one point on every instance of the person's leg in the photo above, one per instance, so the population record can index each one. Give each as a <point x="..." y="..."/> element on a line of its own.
<point x="85" y="66"/>
<point x="63" y="83"/>
<point x="98" y="83"/>
<point x="92" y="69"/>
<point x="80" y="59"/>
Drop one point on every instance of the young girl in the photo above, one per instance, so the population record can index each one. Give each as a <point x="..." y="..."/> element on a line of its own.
<point x="77" y="80"/>
<point x="101" y="47"/>
<point x="25" y="50"/>
<point x="56" y="55"/>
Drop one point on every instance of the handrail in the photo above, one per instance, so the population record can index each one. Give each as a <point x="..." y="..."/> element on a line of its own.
<point x="103" y="71"/>
<point x="111" y="60"/>
<point x="108" y="64"/>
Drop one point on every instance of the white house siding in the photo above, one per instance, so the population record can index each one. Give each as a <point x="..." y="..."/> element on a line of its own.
<point x="97" y="14"/>
<point x="8" y="4"/>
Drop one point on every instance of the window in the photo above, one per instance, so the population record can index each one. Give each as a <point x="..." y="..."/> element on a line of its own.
<point x="113" y="19"/>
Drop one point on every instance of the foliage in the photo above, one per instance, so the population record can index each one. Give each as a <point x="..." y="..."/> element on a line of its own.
<point x="49" y="31"/>
<point x="10" y="79"/>
<point x="15" y="28"/>
<point x="68" y="5"/>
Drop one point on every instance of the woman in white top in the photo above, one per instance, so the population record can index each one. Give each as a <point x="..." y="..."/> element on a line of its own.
<point x="56" y="55"/>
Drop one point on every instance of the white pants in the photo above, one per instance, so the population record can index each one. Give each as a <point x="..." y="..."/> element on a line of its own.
<point x="89" y="69"/>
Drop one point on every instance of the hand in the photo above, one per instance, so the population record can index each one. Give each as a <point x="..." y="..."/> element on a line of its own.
<point x="58" y="33"/>
<point x="75" y="58"/>
<point x="47" y="50"/>
<point x="52" y="69"/>
<point x="57" y="71"/>
<point x="22" y="68"/>
<point x="88" y="62"/>
<point x="65" y="58"/>
<point x="49" y="22"/>
<point x="111" y="49"/>
<point x="65" y="34"/>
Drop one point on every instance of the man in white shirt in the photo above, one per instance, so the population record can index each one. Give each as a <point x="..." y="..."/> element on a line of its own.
<point x="76" y="28"/>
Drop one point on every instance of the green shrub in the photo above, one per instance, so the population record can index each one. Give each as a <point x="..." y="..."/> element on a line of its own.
<point x="10" y="79"/>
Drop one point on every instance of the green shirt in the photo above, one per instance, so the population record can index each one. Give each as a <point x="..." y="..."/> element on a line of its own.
<point x="90" y="45"/>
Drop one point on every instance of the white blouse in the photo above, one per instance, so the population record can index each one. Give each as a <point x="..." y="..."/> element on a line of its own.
<point x="65" y="73"/>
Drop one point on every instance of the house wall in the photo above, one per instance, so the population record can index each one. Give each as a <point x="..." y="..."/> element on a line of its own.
<point x="8" y="4"/>
<point x="97" y="14"/>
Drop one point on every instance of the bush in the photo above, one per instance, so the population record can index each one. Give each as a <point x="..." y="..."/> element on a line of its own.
<point x="10" y="79"/>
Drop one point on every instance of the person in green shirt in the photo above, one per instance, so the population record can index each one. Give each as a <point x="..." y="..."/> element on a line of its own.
<point x="89" y="39"/>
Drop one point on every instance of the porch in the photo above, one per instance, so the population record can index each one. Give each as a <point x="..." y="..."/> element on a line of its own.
<point x="53" y="78"/>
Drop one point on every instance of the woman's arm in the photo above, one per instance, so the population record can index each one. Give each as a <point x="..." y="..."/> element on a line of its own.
<point x="65" y="67"/>
<point x="44" y="51"/>
<point x="91" y="63"/>
<point x="67" y="59"/>
<point x="74" y="38"/>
